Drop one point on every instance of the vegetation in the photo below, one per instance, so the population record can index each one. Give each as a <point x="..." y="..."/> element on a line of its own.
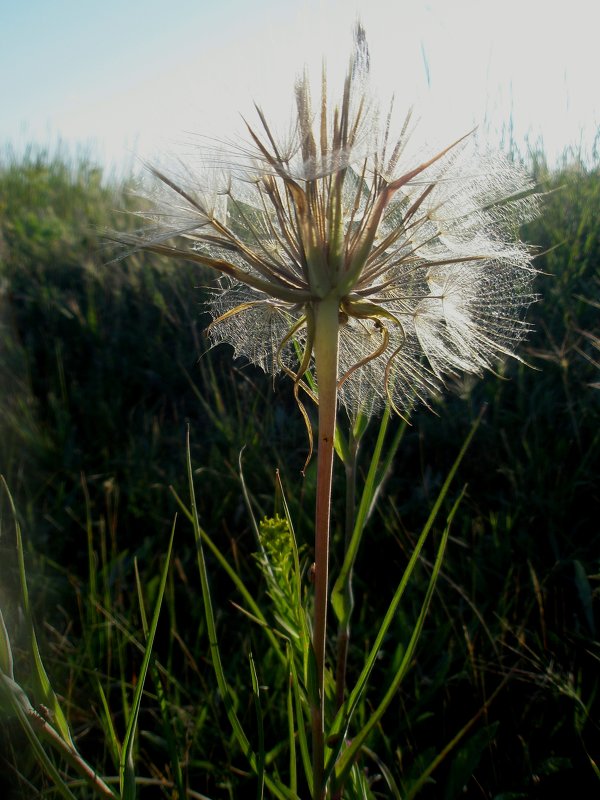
<point x="102" y="365"/>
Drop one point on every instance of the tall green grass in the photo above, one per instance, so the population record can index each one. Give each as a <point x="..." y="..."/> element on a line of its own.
<point x="103" y="363"/>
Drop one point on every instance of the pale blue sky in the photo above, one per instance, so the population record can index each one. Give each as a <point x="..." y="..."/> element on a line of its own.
<point x="129" y="77"/>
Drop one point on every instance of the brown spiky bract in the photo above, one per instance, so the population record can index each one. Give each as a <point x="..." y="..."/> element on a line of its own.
<point x="421" y="258"/>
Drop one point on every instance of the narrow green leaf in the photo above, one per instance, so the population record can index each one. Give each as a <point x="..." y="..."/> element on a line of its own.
<point x="140" y="596"/>
<point x="394" y="791"/>
<point x="233" y="576"/>
<point x="172" y="747"/>
<point x="375" y="475"/>
<point x="449" y="747"/>
<point x="107" y="725"/>
<point x="349" y="754"/>
<point x="260" y="760"/>
<point x="36" y="728"/>
<point x="277" y="789"/>
<point x="339" y="595"/>
<point x="21" y="708"/>
<point x="6" y="657"/>
<point x="361" y="423"/>
<point x="302" y="737"/>
<point x="248" y="504"/>
<point x="291" y="725"/>
<point x="126" y="766"/>
<point x="340" y="444"/>
<point x="93" y="597"/>
<point x="466" y="760"/>
<point x="345" y="714"/>
<point x="43" y="689"/>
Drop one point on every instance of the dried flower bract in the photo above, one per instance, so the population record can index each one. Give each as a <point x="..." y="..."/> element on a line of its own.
<point x="421" y="258"/>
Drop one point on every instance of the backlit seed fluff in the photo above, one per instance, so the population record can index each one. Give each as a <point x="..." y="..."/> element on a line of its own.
<point x="422" y="257"/>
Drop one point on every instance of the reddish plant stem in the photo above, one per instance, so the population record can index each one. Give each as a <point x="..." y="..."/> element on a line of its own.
<point x="326" y="363"/>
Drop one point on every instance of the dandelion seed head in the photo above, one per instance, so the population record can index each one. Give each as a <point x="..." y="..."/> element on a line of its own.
<point x="417" y="245"/>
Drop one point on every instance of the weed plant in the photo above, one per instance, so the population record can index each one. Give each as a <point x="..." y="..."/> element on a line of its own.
<point x="101" y="368"/>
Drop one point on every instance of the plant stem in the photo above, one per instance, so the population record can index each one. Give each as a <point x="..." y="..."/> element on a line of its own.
<point x="70" y="755"/>
<point x="325" y="349"/>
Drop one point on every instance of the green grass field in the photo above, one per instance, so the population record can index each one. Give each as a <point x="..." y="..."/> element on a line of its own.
<point x="104" y="363"/>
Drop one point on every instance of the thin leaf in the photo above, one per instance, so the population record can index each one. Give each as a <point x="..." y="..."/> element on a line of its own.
<point x="349" y="754"/>
<point x="22" y="710"/>
<point x="276" y="788"/>
<point x="260" y="761"/>
<point x="302" y="738"/>
<point x="341" y="445"/>
<point x="43" y="689"/>
<point x="6" y="656"/>
<point x="126" y="766"/>
<point x="108" y="727"/>
<point x="346" y="712"/>
<point x="466" y="760"/>
<point x="234" y="577"/>
<point x="425" y="775"/>
<point x="140" y="595"/>
<point x="166" y="714"/>
<point x="339" y="600"/>
<point x="394" y="791"/>
<point x="36" y="727"/>
<point x="291" y="726"/>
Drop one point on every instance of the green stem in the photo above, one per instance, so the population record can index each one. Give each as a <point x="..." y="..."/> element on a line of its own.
<point x="326" y="362"/>
<point x="343" y="637"/>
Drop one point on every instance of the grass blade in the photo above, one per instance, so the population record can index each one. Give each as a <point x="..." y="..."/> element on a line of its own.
<point x="234" y="577"/>
<point x="126" y="766"/>
<point x="22" y="709"/>
<point x="43" y="689"/>
<point x="260" y="760"/>
<point x="349" y="754"/>
<point x="108" y="727"/>
<point x="339" y="601"/>
<point x="302" y="738"/>
<point x="6" y="656"/>
<point x="277" y="789"/>
<point x="344" y="716"/>
<point x="36" y="727"/>
<point x="291" y="727"/>
<point x="424" y="776"/>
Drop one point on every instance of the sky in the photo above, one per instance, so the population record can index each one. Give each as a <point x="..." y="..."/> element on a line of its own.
<point x="125" y="80"/>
